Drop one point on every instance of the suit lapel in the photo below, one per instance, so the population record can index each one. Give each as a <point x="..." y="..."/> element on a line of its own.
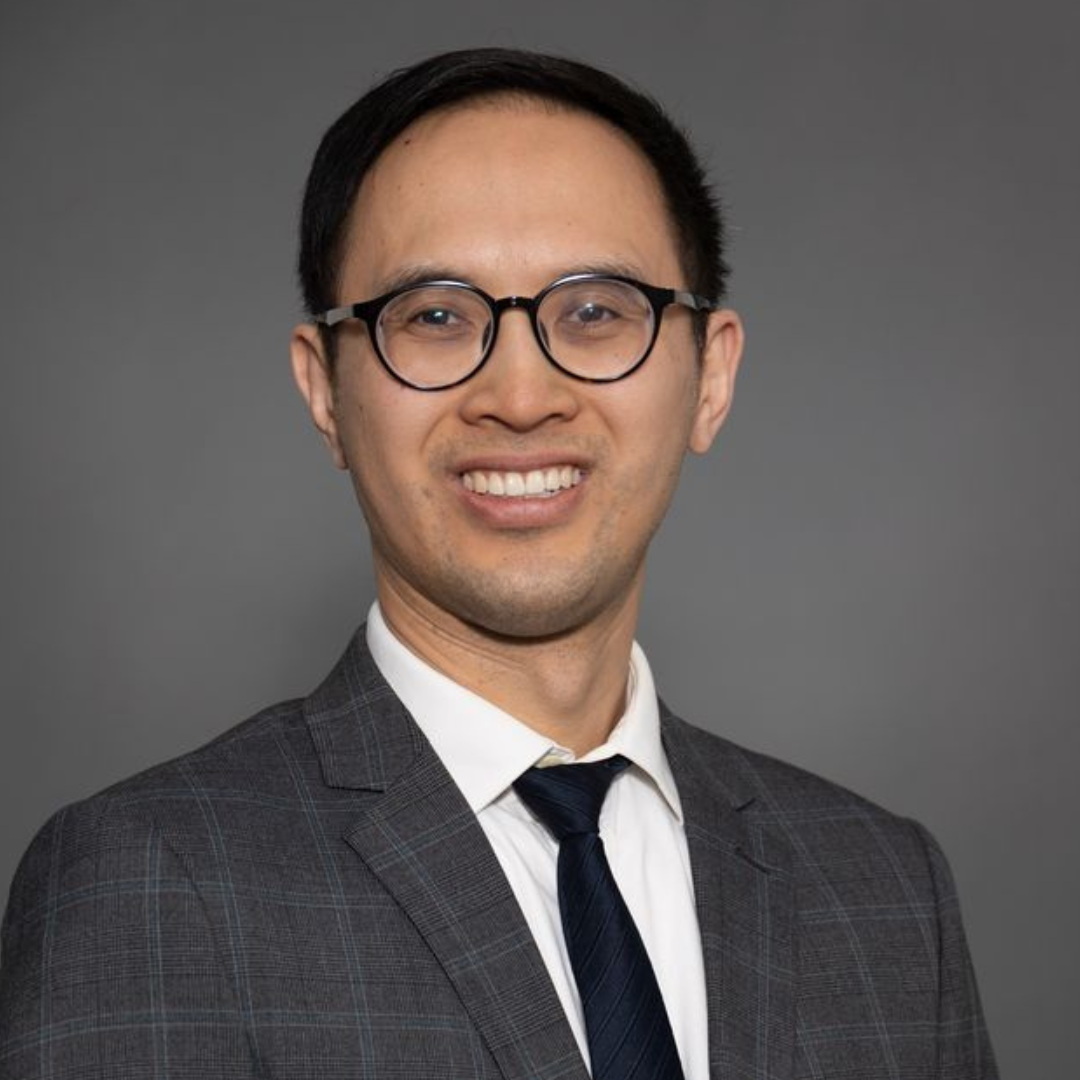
<point x="744" y="901"/>
<point x="423" y="842"/>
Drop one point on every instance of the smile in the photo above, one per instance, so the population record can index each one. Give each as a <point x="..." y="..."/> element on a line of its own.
<point x="535" y="484"/>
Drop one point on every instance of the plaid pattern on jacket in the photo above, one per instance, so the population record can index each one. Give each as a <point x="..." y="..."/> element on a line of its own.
<point x="309" y="896"/>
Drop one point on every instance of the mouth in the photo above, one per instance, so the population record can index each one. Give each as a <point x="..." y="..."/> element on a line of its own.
<point x="534" y="484"/>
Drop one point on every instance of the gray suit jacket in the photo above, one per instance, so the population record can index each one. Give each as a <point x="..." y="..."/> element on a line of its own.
<point x="309" y="896"/>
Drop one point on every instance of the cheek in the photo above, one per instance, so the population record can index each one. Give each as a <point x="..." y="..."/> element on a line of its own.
<point x="385" y="441"/>
<point x="657" y="415"/>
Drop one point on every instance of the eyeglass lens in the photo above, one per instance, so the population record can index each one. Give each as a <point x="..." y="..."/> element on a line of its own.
<point x="435" y="335"/>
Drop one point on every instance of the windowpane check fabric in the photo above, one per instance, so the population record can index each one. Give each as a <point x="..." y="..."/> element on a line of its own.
<point x="310" y="896"/>
<point x="629" y="1033"/>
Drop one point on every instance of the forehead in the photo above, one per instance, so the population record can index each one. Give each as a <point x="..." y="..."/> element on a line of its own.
<point x="509" y="187"/>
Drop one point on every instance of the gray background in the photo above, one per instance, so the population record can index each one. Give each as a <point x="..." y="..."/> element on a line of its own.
<point x="876" y="573"/>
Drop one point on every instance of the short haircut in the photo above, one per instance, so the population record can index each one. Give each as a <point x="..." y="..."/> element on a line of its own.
<point x="354" y="142"/>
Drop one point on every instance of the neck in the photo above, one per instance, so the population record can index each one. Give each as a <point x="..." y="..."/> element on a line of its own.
<point x="570" y="686"/>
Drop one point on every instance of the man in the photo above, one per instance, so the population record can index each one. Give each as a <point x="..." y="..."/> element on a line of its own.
<point x="513" y="268"/>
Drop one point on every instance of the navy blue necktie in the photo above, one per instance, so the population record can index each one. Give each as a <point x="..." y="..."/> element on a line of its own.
<point x="627" y="1025"/>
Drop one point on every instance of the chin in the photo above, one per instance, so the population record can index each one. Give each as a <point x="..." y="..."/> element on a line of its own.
<point x="546" y="605"/>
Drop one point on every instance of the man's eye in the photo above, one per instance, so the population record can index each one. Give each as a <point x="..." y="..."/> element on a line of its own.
<point x="592" y="314"/>
<point x="436" y="317"/>
<point x="437" y="321"/>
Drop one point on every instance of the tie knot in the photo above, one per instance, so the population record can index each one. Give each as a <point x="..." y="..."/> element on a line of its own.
<point x="568" y="798"/>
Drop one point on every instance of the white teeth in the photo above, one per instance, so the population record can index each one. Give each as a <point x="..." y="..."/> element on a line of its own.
<point x="537" y="483"/>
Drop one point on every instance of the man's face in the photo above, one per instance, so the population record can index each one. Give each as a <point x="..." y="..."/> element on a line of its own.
<point x="510" y="196"/>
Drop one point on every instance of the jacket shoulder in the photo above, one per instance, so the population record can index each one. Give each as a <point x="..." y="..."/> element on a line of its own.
<point x="753" y="775"/>
<point x="109" y="826"/>
<point x="125" y="886"/>
<point x="821" y="830"/>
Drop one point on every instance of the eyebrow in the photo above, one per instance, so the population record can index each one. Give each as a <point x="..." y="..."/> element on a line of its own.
<point x="418" y="274"/>
<point x="421" y="273"/>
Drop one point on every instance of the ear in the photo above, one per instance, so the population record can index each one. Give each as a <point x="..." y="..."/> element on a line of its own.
<point x="311" y="370"/>
<point x="719" y="365"/>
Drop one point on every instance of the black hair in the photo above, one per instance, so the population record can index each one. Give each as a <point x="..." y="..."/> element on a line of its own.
<point x="353" y="143"/>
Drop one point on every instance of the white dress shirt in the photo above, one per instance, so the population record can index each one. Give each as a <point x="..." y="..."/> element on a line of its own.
<point x="485" y="750"/>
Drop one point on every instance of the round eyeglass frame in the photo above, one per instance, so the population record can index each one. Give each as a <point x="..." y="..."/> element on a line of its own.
<point x="368" y="312"/>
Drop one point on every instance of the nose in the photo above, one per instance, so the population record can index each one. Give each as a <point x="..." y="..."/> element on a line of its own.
<point x="518" y="387"/>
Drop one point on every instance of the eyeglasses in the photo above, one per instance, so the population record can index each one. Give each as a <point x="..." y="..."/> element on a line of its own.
<point x="436" y="334"/>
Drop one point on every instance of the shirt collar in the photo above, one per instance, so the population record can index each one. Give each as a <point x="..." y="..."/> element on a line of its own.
<point x="486" y="749"/>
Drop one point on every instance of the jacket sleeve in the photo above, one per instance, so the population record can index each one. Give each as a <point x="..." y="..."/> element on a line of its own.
<point x="964" y="1051"/>
<point x="109" y="966"/>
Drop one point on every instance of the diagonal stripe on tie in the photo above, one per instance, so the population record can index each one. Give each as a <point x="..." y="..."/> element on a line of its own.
<point x="629" y="1033"/>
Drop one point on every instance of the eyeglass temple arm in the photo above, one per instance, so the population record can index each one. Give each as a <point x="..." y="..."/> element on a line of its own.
<point x="693" y="301"/>
<point x="334" y="315"/>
